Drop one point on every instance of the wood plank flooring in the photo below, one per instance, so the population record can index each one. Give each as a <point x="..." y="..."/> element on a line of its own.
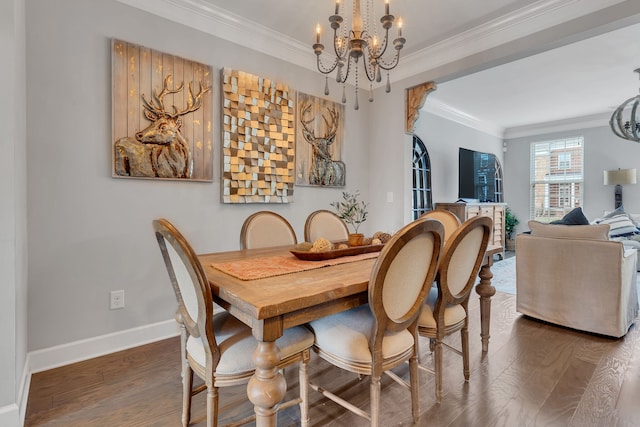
<point x="534" y="374"/>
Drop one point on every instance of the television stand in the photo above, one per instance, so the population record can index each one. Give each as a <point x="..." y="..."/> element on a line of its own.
<point x="495" y="211"/>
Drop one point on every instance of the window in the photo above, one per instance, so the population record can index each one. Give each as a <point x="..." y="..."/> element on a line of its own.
<point x="557" y="178"/>
<point x="422" y="198"/>
<point x="564" y="160"/>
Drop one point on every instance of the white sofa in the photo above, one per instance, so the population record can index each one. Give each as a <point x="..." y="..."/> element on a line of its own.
<point x="574" y="276"/>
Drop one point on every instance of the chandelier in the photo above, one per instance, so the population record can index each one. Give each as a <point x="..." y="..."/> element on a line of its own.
<point x="360" y="41"/>
<point x="625" y="120"/>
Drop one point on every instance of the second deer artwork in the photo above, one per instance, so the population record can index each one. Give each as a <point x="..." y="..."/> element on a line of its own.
<point x="319" y="142"/>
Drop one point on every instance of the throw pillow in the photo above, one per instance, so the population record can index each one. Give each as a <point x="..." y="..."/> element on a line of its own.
<point x="592" y="232"/>
<point x="619" y="225"/>
<point x="618" y="211"/>
<point x="575" y="217"/>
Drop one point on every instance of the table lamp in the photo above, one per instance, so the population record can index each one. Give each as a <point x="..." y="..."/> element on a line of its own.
<point x="619" y="177"/>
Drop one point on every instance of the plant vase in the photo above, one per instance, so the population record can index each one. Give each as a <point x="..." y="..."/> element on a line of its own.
<point x="356" y="239"/>
<point x="510" y="244"/>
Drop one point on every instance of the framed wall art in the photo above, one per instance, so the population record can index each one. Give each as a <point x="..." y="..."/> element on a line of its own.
<point x="258" y="146"/>
<point x="319" y="137"/>
<point x="161" y="115"/>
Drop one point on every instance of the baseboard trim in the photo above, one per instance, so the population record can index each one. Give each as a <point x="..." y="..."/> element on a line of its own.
<point x="9" y="415"/>
<point x="25" y="385"/>
<point x="65" y="354"/>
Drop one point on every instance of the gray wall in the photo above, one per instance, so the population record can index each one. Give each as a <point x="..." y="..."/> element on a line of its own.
<point x="89" y="233"/>
<point x="443" y="138"/>
<point x="13" y="261"/>
<point x="602" y="151"/>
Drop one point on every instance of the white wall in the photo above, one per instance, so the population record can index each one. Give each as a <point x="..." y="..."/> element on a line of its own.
<point x="89" y="233"/>
<point x="602" y="151"/>
<point x="13" y="302"/>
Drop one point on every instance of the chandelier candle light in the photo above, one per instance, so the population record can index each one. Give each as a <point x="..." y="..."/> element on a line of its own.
<point x="629" y="128"/>
<point x="361" y="41"/>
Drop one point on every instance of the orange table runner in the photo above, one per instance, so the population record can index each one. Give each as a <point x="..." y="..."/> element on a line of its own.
<point x="260" y="268"/>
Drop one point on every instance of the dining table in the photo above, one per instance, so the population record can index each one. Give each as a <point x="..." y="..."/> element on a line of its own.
<point x="270" y="290"/>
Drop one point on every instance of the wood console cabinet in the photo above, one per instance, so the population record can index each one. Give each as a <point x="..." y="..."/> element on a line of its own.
<point x="495" y="211"/>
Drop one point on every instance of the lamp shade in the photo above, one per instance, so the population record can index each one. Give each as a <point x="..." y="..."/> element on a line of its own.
<point x="620" y="177"/>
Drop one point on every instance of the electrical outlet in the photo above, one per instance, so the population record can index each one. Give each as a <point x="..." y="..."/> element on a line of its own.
<point x="117" y="300"/>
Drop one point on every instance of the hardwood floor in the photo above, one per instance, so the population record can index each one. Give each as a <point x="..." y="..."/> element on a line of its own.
<point x="535" y="374"/>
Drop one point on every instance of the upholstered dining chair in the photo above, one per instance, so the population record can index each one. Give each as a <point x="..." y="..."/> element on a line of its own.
<point x="218" y="347"/>
<point x="264" y="229"/>
<point x="446" y="310"/>
<point x="450" y="221"/>
<point x="376" y="337"/>
<point x="324" y="223"/>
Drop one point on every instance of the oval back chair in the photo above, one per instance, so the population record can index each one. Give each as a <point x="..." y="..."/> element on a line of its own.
<point x="446" y="310"/>
<point x="376" y="337"/>
<point x="218" y="347"/>
<point x="450" y="221"/>
<point x="265" y="229"/>
<point x="324" y="223"/>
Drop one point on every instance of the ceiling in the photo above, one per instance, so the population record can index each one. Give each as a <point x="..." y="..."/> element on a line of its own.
<point x="588" y="78"/>
<point x="425" y="21"/>
<point x="588" y="75"/>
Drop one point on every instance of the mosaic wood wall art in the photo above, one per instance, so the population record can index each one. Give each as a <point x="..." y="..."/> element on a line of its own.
<point x="319" y="139"/>
<point x="258" y="144"/>
<point x="162" y="114"/>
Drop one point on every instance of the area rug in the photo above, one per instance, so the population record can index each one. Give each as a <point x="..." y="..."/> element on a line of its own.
<point x="504" y="276"/>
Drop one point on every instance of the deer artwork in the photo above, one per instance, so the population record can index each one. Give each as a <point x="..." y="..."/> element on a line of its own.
<point x="160" y="150"/>
<point x="324" y="170"/>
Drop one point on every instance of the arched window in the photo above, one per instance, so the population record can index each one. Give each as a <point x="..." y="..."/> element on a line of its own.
<point x="422" y="197"/>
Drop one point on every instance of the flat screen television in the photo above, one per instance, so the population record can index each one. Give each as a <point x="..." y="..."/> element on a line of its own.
<point x="479" y="176"/>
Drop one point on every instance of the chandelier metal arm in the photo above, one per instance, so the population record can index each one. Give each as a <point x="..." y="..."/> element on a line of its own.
<point x="323" y="69"/>
<point x="346" y="74"/>
<point x="369" y="68"/>
<point x="390" y="65"/>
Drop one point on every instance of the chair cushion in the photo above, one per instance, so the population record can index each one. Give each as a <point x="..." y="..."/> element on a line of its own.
<point x="345" y="335"/>
<point x="237" y="345"/>
<point x="452" y="314"/>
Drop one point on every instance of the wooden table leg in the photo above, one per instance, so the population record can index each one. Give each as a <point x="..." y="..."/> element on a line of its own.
<point x="486" y="291"/>
<point x="267" y="387"/>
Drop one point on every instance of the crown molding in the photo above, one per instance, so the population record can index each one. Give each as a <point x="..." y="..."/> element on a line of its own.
<point x="448" y="112"/>
<point x="583" y="122"/>
<point x="205" y="17"/>
<point x="221" y="23"/>
<point x="538" y="16"/>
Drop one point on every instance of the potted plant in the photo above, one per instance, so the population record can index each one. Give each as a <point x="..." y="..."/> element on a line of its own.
<point x="353" y="213"/>
<point x="510" y="222"/>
